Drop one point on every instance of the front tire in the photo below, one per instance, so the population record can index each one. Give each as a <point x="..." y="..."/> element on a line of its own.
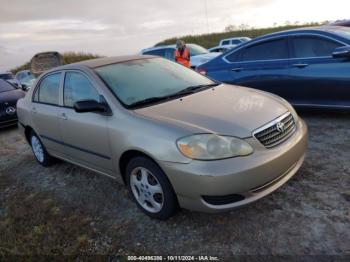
<point x="39" y="151"/>
<point x="150" y="188"/>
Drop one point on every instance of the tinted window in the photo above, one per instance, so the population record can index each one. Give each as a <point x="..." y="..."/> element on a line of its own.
<point x="235" y="42"/>
<point x="234" y="57"/>
<point x="78" y="88"/>
<point x="169" y="54"/>
<point x="136" y="80"/>
<point x="48" y="91"/>
<point x="225" y="42"/>
<point x="275" y="49"/>
<point x="5" y="86"/>
<point x="6" y="76"/>
<point x="313" y="47"/>
<point x="158" y="52"/>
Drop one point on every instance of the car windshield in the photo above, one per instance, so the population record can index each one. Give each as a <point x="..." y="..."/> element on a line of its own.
<point x="196" y="49"/>
<point x="343" y="31"/>
<point x="6" y="76"/>
<point x="5" y="86"/>
<point x="141" y="80"/>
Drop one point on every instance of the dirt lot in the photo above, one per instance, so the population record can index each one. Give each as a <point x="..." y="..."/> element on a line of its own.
<point x="68" y="210"/>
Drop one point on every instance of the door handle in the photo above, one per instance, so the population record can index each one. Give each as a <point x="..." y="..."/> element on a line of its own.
<point x="34" y="110"/>
<point x="63" y="116"/>
<point x="301" y="65"/>
<point x="237" y="69"/>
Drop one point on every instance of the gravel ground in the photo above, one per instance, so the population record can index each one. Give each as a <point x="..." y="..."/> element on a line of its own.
<point x="310" y="215"/>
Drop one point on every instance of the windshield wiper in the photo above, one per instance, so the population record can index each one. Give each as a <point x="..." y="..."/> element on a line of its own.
<point x="148" y="101"/>
<point x="155" y="99"/>
<point x="193" y="89"/>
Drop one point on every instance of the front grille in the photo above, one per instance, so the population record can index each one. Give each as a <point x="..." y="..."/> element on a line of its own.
<point x="223" y="200"/>
<point x="3" y="115"/>
<point x="277" y="131"/>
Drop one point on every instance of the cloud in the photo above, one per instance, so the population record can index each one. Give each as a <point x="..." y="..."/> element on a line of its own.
<point x="110" y="27"/>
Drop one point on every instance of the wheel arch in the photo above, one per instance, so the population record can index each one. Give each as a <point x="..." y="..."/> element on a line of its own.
<point x="127" y="156"/>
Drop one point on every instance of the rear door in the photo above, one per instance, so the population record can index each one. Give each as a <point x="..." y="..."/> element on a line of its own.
<point x="45" y="110"/>
<point x="263" y="65"/>
<point x="85" y="135"/>
<point x="320" y="78"/>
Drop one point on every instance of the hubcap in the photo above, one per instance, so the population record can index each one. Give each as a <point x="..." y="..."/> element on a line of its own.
<point x="146" y="189"/>
<point x="37" y="149"/>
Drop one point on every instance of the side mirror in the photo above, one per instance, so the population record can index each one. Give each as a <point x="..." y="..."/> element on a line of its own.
<point x="90" y="106"/>
<point x="24" y="87"/>
<point x="342" y="52"/>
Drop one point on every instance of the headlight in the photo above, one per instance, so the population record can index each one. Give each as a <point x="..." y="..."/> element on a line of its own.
<point x="212" y="147"/>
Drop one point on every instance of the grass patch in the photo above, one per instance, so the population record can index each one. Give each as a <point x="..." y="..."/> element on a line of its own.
<point x="36" y="224"/>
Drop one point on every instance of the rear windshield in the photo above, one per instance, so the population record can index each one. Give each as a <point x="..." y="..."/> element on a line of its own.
<point x="342" y="31"/>
<point x="6" y="76"/>
<point x="5" y="86"/>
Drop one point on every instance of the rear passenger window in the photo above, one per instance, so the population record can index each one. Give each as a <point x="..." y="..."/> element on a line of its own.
<point x="48" y="90"/>
<point x="78" y="88"/>
<point x="275" y="49"/>
<point x="305" y="47"/>
<point x="225" y="42"/>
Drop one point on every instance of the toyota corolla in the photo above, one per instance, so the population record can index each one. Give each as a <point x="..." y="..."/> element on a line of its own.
<point x="173" y="136"/>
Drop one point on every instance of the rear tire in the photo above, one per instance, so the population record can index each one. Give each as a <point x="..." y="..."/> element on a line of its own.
<point x="39" y="151"/>
<point x="150" y="188"/>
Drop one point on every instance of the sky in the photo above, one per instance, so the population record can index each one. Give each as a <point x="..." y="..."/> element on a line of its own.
<point x="112" y="27"/>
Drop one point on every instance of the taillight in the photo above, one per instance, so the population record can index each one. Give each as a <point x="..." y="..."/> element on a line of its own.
<point x="201" y="71"/>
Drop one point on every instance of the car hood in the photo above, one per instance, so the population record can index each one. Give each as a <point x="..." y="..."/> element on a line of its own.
<point x="11" y="96"/>
<point x="224" y="110"/>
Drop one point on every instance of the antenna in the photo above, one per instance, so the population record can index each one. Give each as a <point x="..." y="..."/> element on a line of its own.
<point x="206" y="14"/>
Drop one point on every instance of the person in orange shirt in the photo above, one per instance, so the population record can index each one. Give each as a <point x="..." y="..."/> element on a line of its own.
<point x="182" y="53"/>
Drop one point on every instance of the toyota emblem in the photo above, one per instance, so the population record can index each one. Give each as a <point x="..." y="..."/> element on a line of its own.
<point x="10" y="110"/>
<point x="280" y="127"/>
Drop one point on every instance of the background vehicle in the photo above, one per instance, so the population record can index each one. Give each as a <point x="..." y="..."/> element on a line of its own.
<point x="221" y="49"/>
<point x="8" y="76"/>
<point x="308" y="67"/>
<point x="234" y="41"/>
<point x="25" y="78"/>
<point x="341" y="23"/>
<point x="9" y="95"/>
<point x="198" y="54"/>
<point x="147" y="123"/>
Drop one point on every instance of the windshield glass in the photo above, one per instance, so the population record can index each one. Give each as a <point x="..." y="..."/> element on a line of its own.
<point x="343" y="31"/>
<point x="137" y="80"/>
<point x="196" y="49"/>
<point x="4" y="86"/>
<point x="6" y="76"/>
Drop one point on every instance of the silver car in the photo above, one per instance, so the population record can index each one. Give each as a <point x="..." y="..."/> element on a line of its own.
<point x="173" y="136"/>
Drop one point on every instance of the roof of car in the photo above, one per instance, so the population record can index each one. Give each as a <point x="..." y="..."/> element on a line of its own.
<point x="324" y="28"/>
<point x="93" y="63"/>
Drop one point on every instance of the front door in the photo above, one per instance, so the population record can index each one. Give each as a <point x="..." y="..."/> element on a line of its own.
<point x="85" y="135"/>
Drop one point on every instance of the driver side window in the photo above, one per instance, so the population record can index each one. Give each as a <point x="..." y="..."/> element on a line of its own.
<point x="77" y="88"/>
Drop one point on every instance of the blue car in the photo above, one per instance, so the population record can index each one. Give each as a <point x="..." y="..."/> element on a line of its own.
<point x="309" y="67"/>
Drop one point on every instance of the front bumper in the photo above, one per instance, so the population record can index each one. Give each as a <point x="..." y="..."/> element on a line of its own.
<point x="8" y="122"/>
<point x="251" y="177"/>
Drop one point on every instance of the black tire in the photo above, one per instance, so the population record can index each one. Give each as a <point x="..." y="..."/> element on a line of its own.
<point x="47" y="159"/>
<point x="170" y="203"/>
